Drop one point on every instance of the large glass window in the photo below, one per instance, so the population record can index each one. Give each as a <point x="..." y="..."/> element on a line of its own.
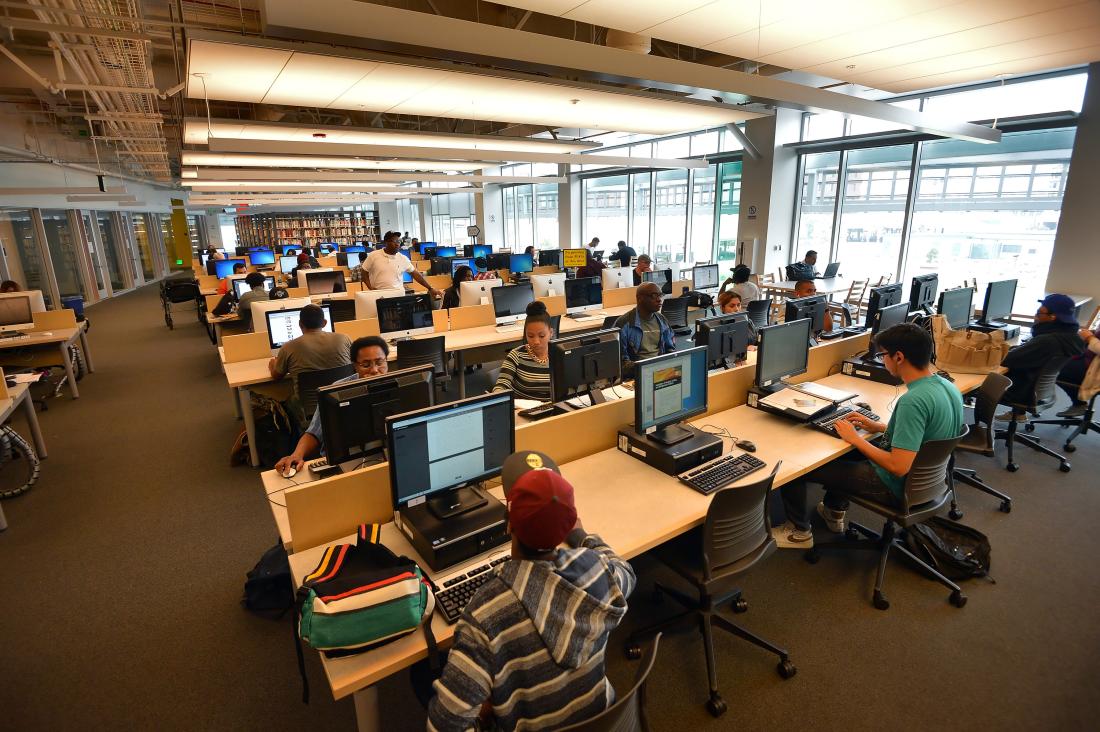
<point x="670" y="215"/>
<point x="25" y="264"/>
<point x="546" y="215"/>
<point x="640" y="211"/>
<point x="145" y="246"/>
<point x="525" y="221"/>
<point x="876" y="186"/>
<point x="702" y="216"/>
<point x="63" y="253"/>
<point x="818" y="201"/>
<point x="605" y="211"/>
<point x="509" y="216"/>
<point x="729" y="210"/>
<point x="110" y="250"/>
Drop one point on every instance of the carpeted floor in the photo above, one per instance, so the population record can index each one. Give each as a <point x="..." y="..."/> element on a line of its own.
<point x="124" y="568"/>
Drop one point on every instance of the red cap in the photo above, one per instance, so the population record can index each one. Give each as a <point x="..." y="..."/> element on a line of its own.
<point x="303" y="258"/>
<point x="541" y="512"/>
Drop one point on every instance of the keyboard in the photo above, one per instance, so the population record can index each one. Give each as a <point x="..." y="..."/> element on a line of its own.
<point x="321" y="467"/>
<point x="511" y="327"/>
<point x="720" y="472"/>
<point x="457" y="591"/>
<point x="586" y="315"/>
<point x="826" y="422"/>
<point x="541" y="411"/>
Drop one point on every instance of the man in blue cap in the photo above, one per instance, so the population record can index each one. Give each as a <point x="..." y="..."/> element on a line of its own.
<point x="1054" y="335"/>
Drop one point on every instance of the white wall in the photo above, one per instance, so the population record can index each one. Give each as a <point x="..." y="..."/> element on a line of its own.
<point x="47" y="175"/>
<point x="492" y="223"/>
<point x="387" y="218"/>
<point x="768" y="184"/>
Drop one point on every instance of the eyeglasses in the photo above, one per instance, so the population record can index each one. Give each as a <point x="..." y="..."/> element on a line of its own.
<point x="376" y="362"/>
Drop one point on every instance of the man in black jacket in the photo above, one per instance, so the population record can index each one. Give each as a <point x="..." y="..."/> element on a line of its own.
<point x="1054" y="335"/>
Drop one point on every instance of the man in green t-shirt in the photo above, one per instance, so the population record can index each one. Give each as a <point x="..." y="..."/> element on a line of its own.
<point x="930" y="409"/>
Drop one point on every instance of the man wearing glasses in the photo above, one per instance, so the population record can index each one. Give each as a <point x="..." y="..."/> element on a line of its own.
<point x="931" y="408"/>
<point x="368" y="355"/>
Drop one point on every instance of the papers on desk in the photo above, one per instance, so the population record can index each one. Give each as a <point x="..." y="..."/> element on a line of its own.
<point x="28" y="378"/>
<point x="527" y="403"/>
<point x="796" y="403"/>
<point x="836" y="396"/>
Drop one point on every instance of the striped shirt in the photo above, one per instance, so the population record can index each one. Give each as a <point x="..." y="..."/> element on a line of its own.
<point x="528" y="378"/>
<point x="532" y="641"/>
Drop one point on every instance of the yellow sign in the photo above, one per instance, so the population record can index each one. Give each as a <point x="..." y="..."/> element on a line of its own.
<point x="534" y="461"/>
<point x="573" y="258"/>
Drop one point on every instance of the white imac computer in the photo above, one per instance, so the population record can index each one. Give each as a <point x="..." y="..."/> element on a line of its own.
<point x="477" y="292"/>
<point x="405" y="316"/>
<point x="303" y="275"/>
<point x="548" y="285"/>
<point x="617" y="277"/>
<point x="17" y="308"/>
<point x="262" y="307"/>
<point x="287" y="264"/>
<point x="510" y="302"/>
<point x="366" y="301"/>
<point x="240" y="286"/>
<point x="581" y="294"/>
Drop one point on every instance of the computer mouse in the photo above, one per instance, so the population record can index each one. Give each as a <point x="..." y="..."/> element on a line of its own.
<point x="290" y="472"/>
<point x="863" y="405"/>
<point x="746" y="445"/>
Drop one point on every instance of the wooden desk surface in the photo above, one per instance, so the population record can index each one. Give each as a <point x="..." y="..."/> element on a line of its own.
<point x="41" y="338"/>
<point x="15" y="396"/>
<point x="824" y="286"/>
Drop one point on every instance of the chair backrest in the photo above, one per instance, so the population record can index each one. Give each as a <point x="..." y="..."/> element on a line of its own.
<point x="855" y="292"/>
<point x="423" y="350"/>
<point x="986" y="399"/>
<point x="758" y="311"/>
<point x="737" y="523"/>
<point x="766" y="279"/>
<point x="178" y="292"/>
<point x="310" y="381"/>
<point x="627" y="714"/>
<point x="675" y="310"/>
<point x="609" y="322"/>
<point x="927" y="479"/>
<point x="1046" y="380"/>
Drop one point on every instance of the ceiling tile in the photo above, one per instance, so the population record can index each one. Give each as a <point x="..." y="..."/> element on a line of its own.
<point x="315" y="81"/>
<point x="633" y="16"/>
<point x="711" y="23"/>
<point x="237" y="72"/>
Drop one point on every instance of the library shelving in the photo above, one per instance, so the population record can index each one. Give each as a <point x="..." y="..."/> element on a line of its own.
<point x="307" y="229"/>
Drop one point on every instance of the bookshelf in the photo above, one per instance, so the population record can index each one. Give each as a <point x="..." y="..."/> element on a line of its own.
<point x="307" y="229"/>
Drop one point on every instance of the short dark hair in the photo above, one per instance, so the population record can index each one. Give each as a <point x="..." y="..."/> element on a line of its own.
<point x="811" y="253"/>
<point x="391" y="235"/>
<point x="911" y="340"/>
<point x="254" y="280"/>
<point x="741" y="273"/>
<point x="804" y="282"/>
<point x="237" y="265"/>
<point x="362" y="256"/>
<point x="312" y="317"/>
<point x="621" y="243"/>
<point x="366" y="342"/>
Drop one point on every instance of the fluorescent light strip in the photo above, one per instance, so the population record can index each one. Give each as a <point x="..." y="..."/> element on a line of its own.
<point x="195" y="133"/>
<point x="348" y="163"/>
<point x="256" y="185"/>
<point x="106" y="197"/>
<point x="210" y="174"/>
<point x="59" y="191"/>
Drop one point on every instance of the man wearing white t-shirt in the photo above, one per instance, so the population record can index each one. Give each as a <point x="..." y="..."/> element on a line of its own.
<point x="383" y="268"/>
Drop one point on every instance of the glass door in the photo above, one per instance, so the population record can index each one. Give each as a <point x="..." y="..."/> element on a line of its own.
<point x="22" y="258"/>
<point x="142" y="236"/>
<point x="62" y="244"/>
<point x="109" y="240"/>
<point x="95" y="253"/>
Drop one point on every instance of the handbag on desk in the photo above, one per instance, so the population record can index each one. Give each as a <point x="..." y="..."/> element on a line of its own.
<point x="967" y="351"/>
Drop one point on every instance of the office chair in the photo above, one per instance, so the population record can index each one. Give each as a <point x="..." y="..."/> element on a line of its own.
<point x="1042" y="397"/>
<point x="432" y="350"/>
<point x="926" y="490"/>
<point x="627" y="714"/>
<point x="675" y="310"/>
<point x="735" y="536"/>
<point x="308" y="382"/>
<point x="759" y="312"/>
<point x="1085" y="423"/>
<point x="608" y="322"/>
<point x="980" y="440"/>
<point x="555" y="324"/>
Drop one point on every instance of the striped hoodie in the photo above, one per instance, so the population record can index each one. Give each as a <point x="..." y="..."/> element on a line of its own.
<point x="531" y="641"/>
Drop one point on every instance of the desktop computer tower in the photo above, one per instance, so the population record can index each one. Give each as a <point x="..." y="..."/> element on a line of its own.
<point x="672" y="459"/>
<point x="1009" y="331"/>
<point x="444" y="543"/>
<point x="869" y="370"/>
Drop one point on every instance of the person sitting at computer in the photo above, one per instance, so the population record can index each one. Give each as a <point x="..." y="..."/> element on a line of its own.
<point x="314" y="350"/>
<point x="930" y="409"/>
<point x="730" y="302"/>
<point x="644" y="332"/>
<point x="807" y="288"/>
<point x="592" y="266"/>
<point x="223" y="286"/>
<point x="10" y="286"/>
<point x="483" y="273"/>
<point x="255" y="293"/>
<point x="623" y="255"/>
<point x="534" y="255"/>
<point x="303" y="263"/>
<point x="557" y="605"/>
<point x="645" y="264"/>
<point x="739" y="283"/>
<point x="357" y="270"/>
<point x="803" y="270"/>
<point x="383" y="268"/>
<point x="451" y="297"/>
<point x="214" y="253"/>
<point x="368" y="356"/>
<point x="526" y="369"/>
<point x="1054" y="335"/>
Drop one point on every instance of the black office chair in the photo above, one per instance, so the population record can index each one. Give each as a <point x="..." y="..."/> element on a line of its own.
<point x="980" y="441"/>
<point x="1042" y="398"/>
<point x="1085" y="423"/>
<point x="760" y="312"/>
<point x="735" y="536"/>
<point x="432" y="350"/>
<point x="926" y="491"/>
<point x="609" y="322"/>
<point x="627" y="714"/>
<point x="675" y="310"/>
<point x="555" y="324"/>
<point x="308" y="382"/>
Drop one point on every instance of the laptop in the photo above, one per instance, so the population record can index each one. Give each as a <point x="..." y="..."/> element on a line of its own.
<point x="830" y="271"/>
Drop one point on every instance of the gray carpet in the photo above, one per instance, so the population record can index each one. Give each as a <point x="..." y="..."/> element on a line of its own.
<point x="124" y="568"/>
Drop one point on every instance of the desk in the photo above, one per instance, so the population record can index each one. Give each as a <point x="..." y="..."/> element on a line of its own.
<point x="19" y="395"/>
<point x="828" y="286"/>
<point x="616" y="497"/>
<point x="38" y="341"/>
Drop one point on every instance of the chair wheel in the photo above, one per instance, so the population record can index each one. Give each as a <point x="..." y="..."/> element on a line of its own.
<point x="716" y="706"/>
<point x="1029" y="427"/>
<point x="880" y="602"/>
<point x="1006" y="506"/>
<point x="1064" y="467"/>
<point x="633" y="651"/>
<point x="958" y="599"/>
<point x="740" y="605"/>
<point x="786" y="669"/>
<point x="955" y="514"/>
<point x="1012" y="467"/>
<point x="1069" y="447"/>
<point x="851" y="534"/>
<point x="812" y="556"/>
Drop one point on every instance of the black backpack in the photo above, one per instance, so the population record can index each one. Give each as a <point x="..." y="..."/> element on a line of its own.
<point x="268" y="589"/>
<point x="225" y="305"/>
<point x="957" y="551"/>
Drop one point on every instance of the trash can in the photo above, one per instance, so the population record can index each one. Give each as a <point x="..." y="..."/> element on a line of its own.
<point x="74" y="303"/>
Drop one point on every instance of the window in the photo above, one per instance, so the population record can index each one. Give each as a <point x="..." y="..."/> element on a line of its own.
<point x="111" y="249"/>
<point x="701" y="247"/>
<point x="546" y="215"/>
<point x="642" y="188"/>
<point x="145" y="244"/>
<point x="63" y="252"/>
<point x="18" y="237"/>
<point x="729" y="209"/>
<point x="873" y="212"/>
<point x="670" y="215"/>
<point x="818" y="199"/>
<point x="605" y="211"/>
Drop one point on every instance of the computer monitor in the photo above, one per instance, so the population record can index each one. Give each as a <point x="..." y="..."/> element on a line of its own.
<point x="550" y="258"/>
<point x="203" y="259"/>
<point x="888" y="317"/>
<point x="583" y="293"/>
<point x="520" y="263"/>
<point x="922" y="293"/>
<point x="812" y="307"/>
<point x="831" y="270"/>
<point x="446" y="251"/>
<point x="725" y="337"/>
<point x="240" y="286"/>
<point x="353" y="248"/>
<point x="283" y="325"/>
<point x="473" y="251"/>
<point x="287" y="264"/>
<point x="440" y="266"/>
<point x="224" y="267"/>
<point x="584" y="364"/>
<point x="615" y="278"/>
<point x="327" y="248"/>
<point x="881" y="297"/>
<point x="999" y="298"/>
<point x="342" y="310"/>
<point x="437" y="453"/>
<point x="251" y="249"/>
<point x="288" y="248"/>
<point x="477" y="292"/>
<point x="320" y="282"/>
<point x="510" y="302"/>
<point x="548" y="285"/>
<point x="421" y="245"/>
<point x="956" y="306"/>
<point x="662" y="277"/>
<point x="783" y="350"/>
<point x="405" y="316"/>
<point x="462" y="262"/>
<point x="667" y="390"/>
<point x="15" y="311"/>
<point x="353" y="415"/>
<point x="427" y="252"/>
<point x="704" y="277"/>
<point x="366" y="301"/>
<point x="264" y="258"/>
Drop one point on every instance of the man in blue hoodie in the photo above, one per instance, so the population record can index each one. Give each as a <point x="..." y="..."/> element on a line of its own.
<point x="529" y="647"/>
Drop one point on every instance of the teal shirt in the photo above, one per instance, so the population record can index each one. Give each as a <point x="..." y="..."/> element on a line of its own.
<point x="930" y="409"/>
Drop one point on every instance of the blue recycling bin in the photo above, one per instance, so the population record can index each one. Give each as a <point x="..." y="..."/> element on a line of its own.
<point x="74" y="303"/>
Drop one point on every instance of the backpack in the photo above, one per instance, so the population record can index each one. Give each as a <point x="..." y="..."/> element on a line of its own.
<point x="267" y="586"/>
<point x="276" y="432"/>
<point x="957" y="551"/>
<point x="362" y="596"/>
<point x="225" y="305"/>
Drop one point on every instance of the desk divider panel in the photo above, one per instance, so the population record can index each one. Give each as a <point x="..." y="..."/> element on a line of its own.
<point x="329" y="261"/>
<point x="3" y="387"/>
<point x="554" y="305"/>
<point x="440" y="318"/>
<point x="208" y="282"/>
<point x="327" y="509"/>
<point x="212" y="302"/>
<point x="472" y="316"/>
<point x="505" y="275"/>
<point x="297" y="292"/>
<point x="439" y="282"/>
<point x="545" y="269"/>
<point x="54" y="319"/>
<point x="358" y="328"/>
<point x="678" y="287"/>
<point x="422" y="265"/>
<point x="246" y="347"/>
<point x="620" y="296"/>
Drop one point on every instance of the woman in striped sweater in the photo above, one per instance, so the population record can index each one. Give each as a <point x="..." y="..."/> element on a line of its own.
<point x="526" y="369"/>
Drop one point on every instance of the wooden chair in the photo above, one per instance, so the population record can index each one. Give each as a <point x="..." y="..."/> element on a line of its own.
<point x="853" y="302"/>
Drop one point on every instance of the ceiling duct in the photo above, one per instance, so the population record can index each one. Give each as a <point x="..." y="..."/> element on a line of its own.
<point x="629" y="41"/>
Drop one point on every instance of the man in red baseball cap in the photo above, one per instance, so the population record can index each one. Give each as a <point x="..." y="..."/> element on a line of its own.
<point x="552" y="608"/>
